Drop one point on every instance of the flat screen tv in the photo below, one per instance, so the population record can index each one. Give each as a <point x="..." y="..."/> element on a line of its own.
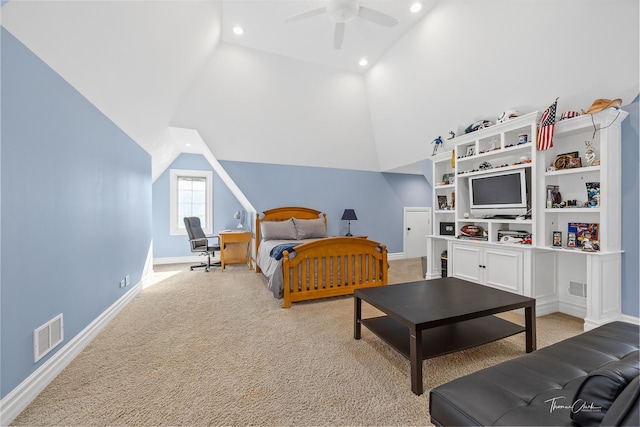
<point x="498" y="194"/>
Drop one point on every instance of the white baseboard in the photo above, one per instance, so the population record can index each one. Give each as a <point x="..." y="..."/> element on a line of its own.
<point x="196" y="259"/>
<point x="572" y="309"/>
<point x="180" y="260"/>
<point x="395" y="256"/>
<point x="631" y="319"/>
<point x="547" y="307"/>
<point x="20" y="397"/>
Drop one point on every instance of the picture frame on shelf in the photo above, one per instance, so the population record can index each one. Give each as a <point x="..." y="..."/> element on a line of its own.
<point x="574" y="162"/>
<point x="448" y="178"/>
<point x="593" y="194"/>
<point x="442" y="202"/>
<point x="572" y="240"/>
<point x="447" y="228"/>
<point x="557" y="239"/>
<point x="471" y="151"/>
<point x="582" y="231"/>
<point x="563" y="161"/>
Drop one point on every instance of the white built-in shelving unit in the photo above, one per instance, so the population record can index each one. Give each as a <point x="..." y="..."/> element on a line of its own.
<point x="580" y="283"/>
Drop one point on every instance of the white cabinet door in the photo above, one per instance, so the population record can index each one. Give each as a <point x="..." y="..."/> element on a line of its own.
<point x="466" y="263"/>
<point x="503" y="269"/>
<point x="495" y="267"/>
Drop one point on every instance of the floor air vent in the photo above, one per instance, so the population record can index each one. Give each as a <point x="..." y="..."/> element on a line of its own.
<point x="47" y="336"/>
<point x="578" y="289"/>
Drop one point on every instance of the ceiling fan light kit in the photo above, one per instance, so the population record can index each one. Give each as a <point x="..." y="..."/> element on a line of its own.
<point x="343" y="11"/>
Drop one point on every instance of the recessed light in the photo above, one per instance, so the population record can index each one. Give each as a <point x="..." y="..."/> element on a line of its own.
<point x="363" y="62"/>
<point x="238" y="30"/>
<point x="188" y="144"/>
<point x="416" y="7"/>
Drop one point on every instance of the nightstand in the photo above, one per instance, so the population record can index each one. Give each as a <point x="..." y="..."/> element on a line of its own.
<point x="235" y="248"/>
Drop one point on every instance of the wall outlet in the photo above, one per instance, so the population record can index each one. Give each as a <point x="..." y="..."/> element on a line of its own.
<point x="127" y="280"/>
<point x="122" y="283"/>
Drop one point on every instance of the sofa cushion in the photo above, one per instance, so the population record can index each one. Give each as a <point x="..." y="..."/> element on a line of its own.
<point x="601" y="387"/>
<point x="625" y="411"/>
<point x="534" y="389"/>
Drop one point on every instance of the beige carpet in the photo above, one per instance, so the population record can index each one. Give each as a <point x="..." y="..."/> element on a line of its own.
<point x="216" y="348"/>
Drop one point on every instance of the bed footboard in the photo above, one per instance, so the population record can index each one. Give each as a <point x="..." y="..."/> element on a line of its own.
<point x="333" y="266"/>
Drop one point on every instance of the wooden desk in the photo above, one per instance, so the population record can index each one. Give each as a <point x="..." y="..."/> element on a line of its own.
<point x="235" y="248"/>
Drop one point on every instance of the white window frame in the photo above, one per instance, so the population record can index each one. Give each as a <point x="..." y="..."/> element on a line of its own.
<point x="177" y="224"/>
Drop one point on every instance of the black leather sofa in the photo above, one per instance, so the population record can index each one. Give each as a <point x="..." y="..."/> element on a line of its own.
<point x="588" y="380"/>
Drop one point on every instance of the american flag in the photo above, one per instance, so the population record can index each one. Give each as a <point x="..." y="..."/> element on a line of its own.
<point x="547" y="126"/>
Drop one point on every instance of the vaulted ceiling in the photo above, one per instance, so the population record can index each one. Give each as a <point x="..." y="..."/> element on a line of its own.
<point x="281" y="93"/>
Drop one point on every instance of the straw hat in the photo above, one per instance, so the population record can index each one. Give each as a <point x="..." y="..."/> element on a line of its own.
<point x="601" y="104"/>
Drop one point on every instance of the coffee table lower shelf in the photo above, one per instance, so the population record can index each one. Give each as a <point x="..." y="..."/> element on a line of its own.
<point x="443" y="339"/>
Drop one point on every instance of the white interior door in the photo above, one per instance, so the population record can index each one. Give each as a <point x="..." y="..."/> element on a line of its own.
<point x="417" y="225"/>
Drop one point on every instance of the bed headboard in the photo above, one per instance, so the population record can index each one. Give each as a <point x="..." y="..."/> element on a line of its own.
<point x="285" y="213"/>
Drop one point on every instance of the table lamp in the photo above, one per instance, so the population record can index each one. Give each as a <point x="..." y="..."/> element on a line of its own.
<point x="239" y="216"/>
<point x="349" y="215"/>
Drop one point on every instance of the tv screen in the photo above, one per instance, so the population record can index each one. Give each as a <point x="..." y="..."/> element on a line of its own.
<point x="499" y="193"/>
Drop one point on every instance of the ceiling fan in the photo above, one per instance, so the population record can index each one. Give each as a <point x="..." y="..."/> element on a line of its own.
<point x="343" y="11"/>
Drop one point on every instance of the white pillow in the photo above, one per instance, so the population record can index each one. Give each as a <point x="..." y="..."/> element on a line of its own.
<point x="278" y="230"/>
<point x="310" y="228"/>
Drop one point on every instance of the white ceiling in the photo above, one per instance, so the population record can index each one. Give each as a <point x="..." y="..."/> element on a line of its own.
<point x="311" y="39"/>
<point x="282" y="94"/>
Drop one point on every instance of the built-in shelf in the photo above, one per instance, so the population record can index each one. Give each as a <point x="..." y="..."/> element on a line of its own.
<point x="496" y="220"/>
<point x="582" y="170"/>
<point x="520" y="148"/>
<point x="572" y="210"/>
<point x="538" y="270"/>
<point x="503" y="168"/>
<point x="579" y="251"/>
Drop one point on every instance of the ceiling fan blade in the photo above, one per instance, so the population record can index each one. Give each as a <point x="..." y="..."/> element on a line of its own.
<point x="377" y="17"/>
<point x="338" y="35"/>
<point x="304" y="15"/>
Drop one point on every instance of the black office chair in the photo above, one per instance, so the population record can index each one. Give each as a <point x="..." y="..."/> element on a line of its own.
<point x="200" y="243"/>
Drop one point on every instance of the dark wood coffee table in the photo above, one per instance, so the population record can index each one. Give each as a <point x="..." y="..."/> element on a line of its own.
<point x="430" y="318"/>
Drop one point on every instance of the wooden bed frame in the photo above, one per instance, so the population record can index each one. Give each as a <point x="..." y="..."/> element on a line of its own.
<point x="336" y="265"/>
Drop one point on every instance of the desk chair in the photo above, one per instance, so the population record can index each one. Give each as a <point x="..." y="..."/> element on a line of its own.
<point x="200" y="243"/>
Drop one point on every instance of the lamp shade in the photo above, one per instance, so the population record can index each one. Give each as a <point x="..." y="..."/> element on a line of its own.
<point x="349" y="215"/>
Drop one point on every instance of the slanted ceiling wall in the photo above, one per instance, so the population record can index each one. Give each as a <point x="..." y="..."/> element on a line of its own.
<point x="149" y="65"/>
<point x="76" y="209"/>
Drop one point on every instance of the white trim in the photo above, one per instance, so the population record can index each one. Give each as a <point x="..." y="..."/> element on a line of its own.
<point x="174" y="174"/>
<point x="570" y="309"/>
<point x="179" y="260"/>
<point x="630" y="319"/>
<point x="396" y="256"/>
<point x="21" y="396"/>
<point x="195" y="258"/>
<point x="178" y="137"/>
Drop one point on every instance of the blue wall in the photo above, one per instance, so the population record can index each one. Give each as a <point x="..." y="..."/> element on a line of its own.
<point x="225" y="206"/>
<point x="377" y="198"/>
<point x="630" y="209"/>
<point x="76" y="209"/>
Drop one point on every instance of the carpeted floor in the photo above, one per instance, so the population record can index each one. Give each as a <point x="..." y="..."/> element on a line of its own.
<point x="216" y="348"/>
